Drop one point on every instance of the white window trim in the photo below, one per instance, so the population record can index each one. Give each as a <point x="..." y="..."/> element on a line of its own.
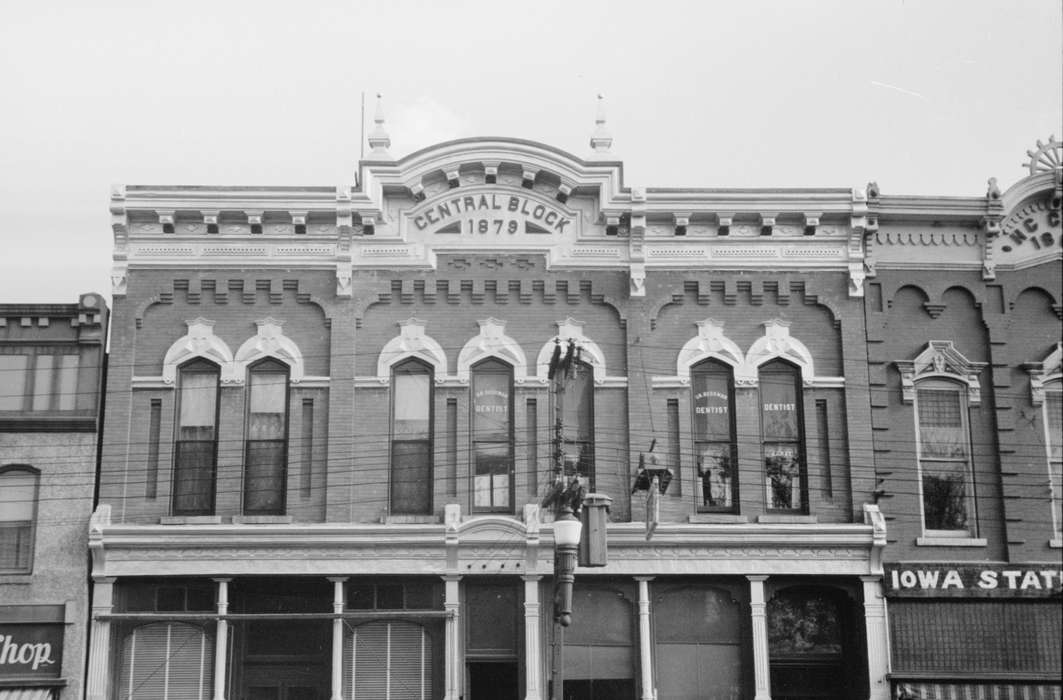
<point x="592" y="355"/>
<point x="492" y="341"/>
<point x="412" y="341"/>
<point x="270" y="341"/>
<point x="200" y="341"/>
<point x="1053" y="386"/>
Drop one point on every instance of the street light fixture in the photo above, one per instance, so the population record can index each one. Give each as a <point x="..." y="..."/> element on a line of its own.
<point x="567" y="530"/>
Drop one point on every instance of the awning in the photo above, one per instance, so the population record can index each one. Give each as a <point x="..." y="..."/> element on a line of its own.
<point x="27" y="693"/>
<point x="918" y="690"/>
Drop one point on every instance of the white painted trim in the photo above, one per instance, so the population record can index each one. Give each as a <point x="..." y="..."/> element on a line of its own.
<point x="492" y="342"/>
<point x="411" y="341"/>
<point x="200" y="341"/>
<point x="951" y="542"/>
<point x="591" y="352"/>
<point x="270" y="341"/>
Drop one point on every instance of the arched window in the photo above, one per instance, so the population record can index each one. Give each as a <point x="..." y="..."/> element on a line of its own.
<point x="944" y="445"/>
<point x="712" y="385"/>
<point x="573" y="397"/>
<point x="1054" y="442"/>
<point x="782" y="431"/>
<point x="492" y="436"/>
<point x="266" y="444"/>
<point x="411" y="437"/>
<point x="18" y="517"/>
<point x="196" y="441"/>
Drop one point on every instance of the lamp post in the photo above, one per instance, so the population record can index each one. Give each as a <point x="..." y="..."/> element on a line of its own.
<point x="567" y="530"/>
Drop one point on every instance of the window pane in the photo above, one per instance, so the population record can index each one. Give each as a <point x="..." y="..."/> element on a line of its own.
<point x="18" y="491"/>
<point x="194" y="477"/>
<point x="697" y="615"/>
<point x="199" y="404"/>
<point x="42" y="382"/>
<point x="712" y="402"/>
<point x="264" y="480"/>
<point x="804" y="623"/>
<point x="782" y="467"/>
<point x="411" y="400"/>
<point x="945" y="495"/>
<point x="941" y="432"/>
<point x="68" y="382"/>
<point x="269" y="391"/>
<point x="778" y="394"/>
<point x="491" y="399"/>
<point x="577" y="405"/>
<point x="716" y="470"/>
<point x="1054" y="418"/>
<point x="13" y="381"/>
<point x="15" y="540"/>
<point x="411" y="477"/>
<point x="491" y="480"/>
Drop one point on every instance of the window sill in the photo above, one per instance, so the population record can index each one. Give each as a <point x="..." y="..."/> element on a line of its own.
<point x="190" y="520"/>
<point x="950" y="542"/>
<point x="718" y="518"/>
<point x="788" y="519"/>
<point x="16" y="579"/>
<point x="411" y="519"/>
<point x="262" y="519"/>
<point x="1056" y="543"/>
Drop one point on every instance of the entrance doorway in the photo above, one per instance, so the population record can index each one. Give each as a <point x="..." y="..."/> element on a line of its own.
<point x="493" y="680"/>
<point x="284" y="682"/>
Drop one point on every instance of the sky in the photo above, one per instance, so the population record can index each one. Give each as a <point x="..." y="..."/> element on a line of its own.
<point x="927" y="97"/>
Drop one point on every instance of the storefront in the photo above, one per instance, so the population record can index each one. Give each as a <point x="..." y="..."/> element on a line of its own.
<point x="31" y="651"/>
<point x="978" y="631"/>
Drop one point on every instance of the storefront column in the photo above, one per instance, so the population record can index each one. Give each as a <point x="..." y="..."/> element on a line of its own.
<point x="337" y="636"/>
<point x="877" y="638"/>
<point x="532" y="644"/>
<point x="100" y="644"/>
<point x="221" y="643"/>
<point x="649" y="692"/>
<point x="758" y="608"/>
<point x="452" y="653"/>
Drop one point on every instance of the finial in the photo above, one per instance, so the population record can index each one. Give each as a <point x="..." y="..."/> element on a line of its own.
<point x="379" y="140"/>
<point x="992" y="189"/>
<point x="601" y="139"/>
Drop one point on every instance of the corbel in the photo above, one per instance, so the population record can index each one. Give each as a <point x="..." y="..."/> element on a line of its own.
<point x="527" y="177"/>
<point x="368" y="225"/>
<point x="491" y="171"/>
<point x="681" y="221"/>
<point x="416" y="191"/>
<point x="254" y="219"/>
<point x="344" y="212"/>
<point x="299" y="220"/>
<point x="166" y="218"/>
<point x="612" y="225"/>
<point x="453" y="177"/>
<point x="564" y="191"/>
<point x="210" y="218"/>
<point x="725" y="221"/>
<point x="767" y="224"/>
<point x="812" y="222"/>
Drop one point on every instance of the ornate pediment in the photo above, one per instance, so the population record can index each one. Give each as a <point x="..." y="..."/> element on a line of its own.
<point x="492" y="342"/>
<point x="941" y="360"/>
<point x="709" y="343"/>
<point x="1048" y="370"/>
<point x="270" y="341"/>
<point x="411" y="341"/>
<point x="200" y="341"/>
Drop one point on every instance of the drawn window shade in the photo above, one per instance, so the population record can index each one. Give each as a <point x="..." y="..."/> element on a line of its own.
<point x="266" y="446"/>
<point x="411" y="438"/>
<point x="196" y="443"/>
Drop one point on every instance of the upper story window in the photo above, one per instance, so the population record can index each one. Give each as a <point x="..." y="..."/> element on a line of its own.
<point x="18" y="515"/>
<point x="492" y="436"/>
<point x="39" y="378"/>
<point x="266" y="447"/>
<point x="411" y="437"/>
<point x="712" y="384"/>
<point x="944" y="447"/>
<point x="1054" y="442"/>
<point x="196" y="440"/>
<point x="782" y="431"/>
<point x="574" y="408"/>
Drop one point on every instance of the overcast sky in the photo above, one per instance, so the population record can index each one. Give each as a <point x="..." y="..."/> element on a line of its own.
<point x="925" y="97"/>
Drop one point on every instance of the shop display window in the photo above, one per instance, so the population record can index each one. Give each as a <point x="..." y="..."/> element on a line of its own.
<point x="196" y="442"/>
<point x="492" y="436"/>
<point x="600" y="652"/>
<point x="411" y="438"/>
<point x="714" y="436"/>
<point x="18" y="518"/>
<point x="165" y="660"/>
<point x="809" y="637"/>
<point x="266" y="445"/>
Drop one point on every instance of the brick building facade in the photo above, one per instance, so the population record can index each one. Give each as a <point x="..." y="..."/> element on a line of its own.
<point x="51" y="382"/>
<point x="331" y="421"/>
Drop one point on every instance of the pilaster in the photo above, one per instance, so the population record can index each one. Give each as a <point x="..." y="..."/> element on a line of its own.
<point x="100" y="641"/>
<point x="337" y="636"/>
<point x="649" y="691"/>
<point x="877" y="638"/>
<point x="532" y="638"/>
<point x="758" y="609"/>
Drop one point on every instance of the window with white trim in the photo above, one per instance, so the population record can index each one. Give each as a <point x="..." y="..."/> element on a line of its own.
<point x="715" y="452"/>
<point x="782" y="434"/>
<point x="196" y="441"/>
<point x="266" y="444"/>
<point x="1053" y="418"/>
<point x="411" y="437"/>
<point x="492" y="436"/>
<point x="943" y="439"/>
<point x="18" y="518"/>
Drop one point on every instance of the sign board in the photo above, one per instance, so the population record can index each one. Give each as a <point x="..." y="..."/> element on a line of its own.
<point x="973" y="581"/>
<point x="31" y="651"/>
<point x="492" y="215"/>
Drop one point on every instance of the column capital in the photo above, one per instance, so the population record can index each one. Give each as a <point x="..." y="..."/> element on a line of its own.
<point x="531" y="578"/>
<point x="221" y="579"/>
<point x="871" y="578"/>
<point x="644" y="578"/>
<point x="338" y="579"/>
<point x="451" y="577"/>
<point x="755" y="578"/>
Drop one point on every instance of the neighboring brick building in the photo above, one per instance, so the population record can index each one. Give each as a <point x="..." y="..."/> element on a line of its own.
<point x="963" y="317"/>
<point x="331" y="421"/>
<point x="51" y="381"/>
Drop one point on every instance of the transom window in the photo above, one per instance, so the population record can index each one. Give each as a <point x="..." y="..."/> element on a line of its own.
<point x="266" y="447"/>
<point x="41" y="378"/>
<point x="18" y="515"/>
<point x="714" y="435"/>
<point x="411" y="438"/>
<point x="492" y="436"/>
<point x="944" y="458"/>
<point x="196" y="442"/>
<point x="782" y="428"/>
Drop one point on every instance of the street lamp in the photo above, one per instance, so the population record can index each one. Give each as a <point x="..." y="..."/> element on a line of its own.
<point x="567" y="530"/>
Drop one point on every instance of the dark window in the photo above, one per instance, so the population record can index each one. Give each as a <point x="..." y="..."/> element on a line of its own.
<point x="600" y="656"/>
<point x="492" y="436"/>
<point x="714" y="435"/>
<point x="407" y="595"/>
<point x="782" y="426"/>
<point x="266" y="448"/>
<point x="808" y="635"/>
<point x="1054" y="442"/>
<point x="699" y="643"/>
<point x="18" y="516"/>
<point x="411" y="438"/>
<point x="574" y="410"/>
<point x="944" y="457"/>
<point x="195" y="448"/>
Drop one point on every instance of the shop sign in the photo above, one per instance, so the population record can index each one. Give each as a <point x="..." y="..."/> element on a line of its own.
<point x="33" y="651"/>
<point x="492" y="216"/>
<point x="973" y="581"/>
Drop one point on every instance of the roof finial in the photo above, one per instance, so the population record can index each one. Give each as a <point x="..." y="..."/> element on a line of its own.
<point x="601" y="139"/>
<point x="379" y="140"/>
